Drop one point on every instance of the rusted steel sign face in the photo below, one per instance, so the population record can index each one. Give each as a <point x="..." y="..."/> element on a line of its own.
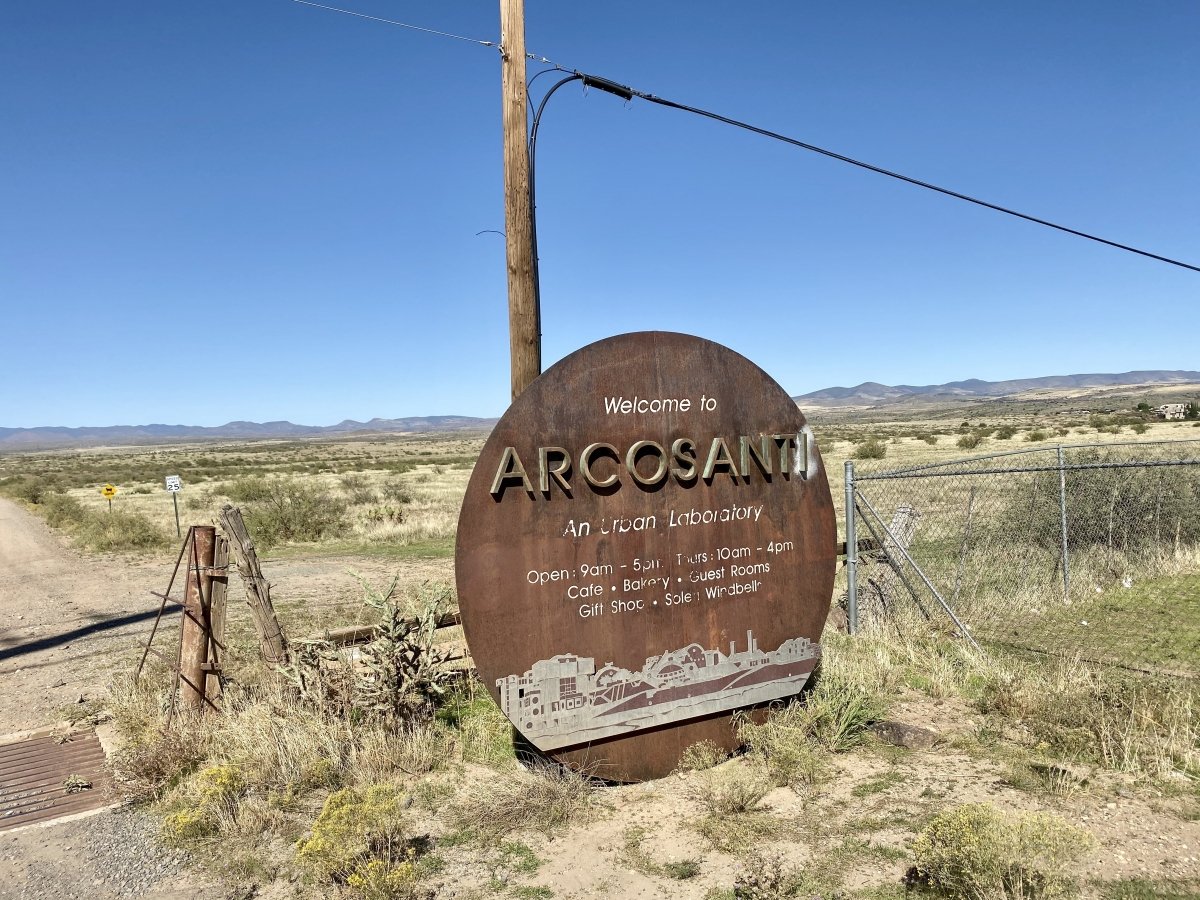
<point x="647" y="545"/>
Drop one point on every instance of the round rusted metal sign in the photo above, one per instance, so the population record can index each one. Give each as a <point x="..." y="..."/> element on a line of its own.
<point x="646" y="545"/>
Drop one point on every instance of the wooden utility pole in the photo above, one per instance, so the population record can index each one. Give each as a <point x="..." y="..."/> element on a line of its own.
<point x="524" y="316"/>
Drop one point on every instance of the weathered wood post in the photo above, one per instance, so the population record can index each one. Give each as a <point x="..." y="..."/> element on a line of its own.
<point x="258" y="591"/>
<point x="193" y="649"/>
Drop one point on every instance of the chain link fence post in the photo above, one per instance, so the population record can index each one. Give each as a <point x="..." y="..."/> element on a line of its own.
<point x="1062" y="507"/>
<point x="851" y="554"/>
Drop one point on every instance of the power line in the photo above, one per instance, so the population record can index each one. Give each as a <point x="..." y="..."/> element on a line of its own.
<point x="350" y="12"/>
<point x="628" y="93"/>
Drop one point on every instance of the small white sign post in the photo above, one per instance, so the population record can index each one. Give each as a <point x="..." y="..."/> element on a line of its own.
<point x="174" y="486"/>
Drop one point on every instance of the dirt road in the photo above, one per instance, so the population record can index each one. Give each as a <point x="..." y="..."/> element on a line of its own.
<point x="65" y="621"/>
<point x="69" y="622"/>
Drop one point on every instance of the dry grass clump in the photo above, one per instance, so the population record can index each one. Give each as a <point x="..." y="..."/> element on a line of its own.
<point x="1075" y="711"/>
<point x="484" y="733"/>
<point x="545" y="798"/>
<point x="420" y="507"/>
<point x="731" y="797"/>
<point x="730" y="790"/>
<point x="1140" y="725"/>
<point x="973" y="852"/>
<point x="784" y="745"/>
<point x="702" y="755"/>
<point x="852" y="690"/>
<point x="416" y="748"/>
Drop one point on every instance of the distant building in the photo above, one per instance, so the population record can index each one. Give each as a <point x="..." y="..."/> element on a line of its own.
<point x="1170" y="411"/>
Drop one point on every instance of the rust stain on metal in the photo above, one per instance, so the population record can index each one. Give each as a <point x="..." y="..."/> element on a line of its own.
<point x="34" y="774"/>
<point x="647" y="544"/>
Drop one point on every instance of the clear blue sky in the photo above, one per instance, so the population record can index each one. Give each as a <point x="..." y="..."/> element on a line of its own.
<point x="253" y="209"/>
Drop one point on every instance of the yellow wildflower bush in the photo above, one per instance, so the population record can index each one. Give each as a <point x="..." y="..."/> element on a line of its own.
<point x="216" y="792"/>
<point x="973" y="852"/>
<point x="361" y="840"/>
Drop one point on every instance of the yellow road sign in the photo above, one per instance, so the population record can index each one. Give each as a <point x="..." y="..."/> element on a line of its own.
<point x="108" y="491"/>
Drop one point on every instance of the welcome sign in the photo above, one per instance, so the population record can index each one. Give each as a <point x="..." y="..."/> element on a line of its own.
<point x="646" y="545"/>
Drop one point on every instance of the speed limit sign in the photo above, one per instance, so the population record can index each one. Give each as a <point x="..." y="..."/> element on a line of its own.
<point x="174" y="484"/>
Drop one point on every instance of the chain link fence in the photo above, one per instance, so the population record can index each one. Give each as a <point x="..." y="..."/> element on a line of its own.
<point x="1079" y="551"/>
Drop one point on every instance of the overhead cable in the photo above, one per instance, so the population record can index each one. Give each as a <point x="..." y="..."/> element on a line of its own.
<point x="350" y="12"/>
<point x="626" y="93"/>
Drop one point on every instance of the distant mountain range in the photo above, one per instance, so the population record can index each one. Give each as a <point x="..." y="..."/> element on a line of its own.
<point x="868" y="395"/>
<point x="38" y="438"/>
<point x="871" y="393"/>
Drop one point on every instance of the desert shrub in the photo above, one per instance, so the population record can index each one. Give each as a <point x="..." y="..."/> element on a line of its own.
<point x="1140" y="427"/>
<point x="969" y="441"/>
<point x="62" y="510"/>
<point x="279" y="510"/>
<point x="1004" y="432"/>
<point x="119" y="530"/>
<point x="872" y="448"/>
<point x="217" y="790"/>
<point x="102" y="530"/>
<point x="396" y="491"/>
<point x="251" y="489"/>
<point x="930" y="439"/>
<point x="1035" y="435"/>
<point x="361" y="841"/>
<point x="31" y="488"/>
<point x="769" y="877"/>
<point x="399" y="673"/>
<point x="358" y="489"/>
<point x="1122" y="509"/>
<point x="973" y="852"/>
